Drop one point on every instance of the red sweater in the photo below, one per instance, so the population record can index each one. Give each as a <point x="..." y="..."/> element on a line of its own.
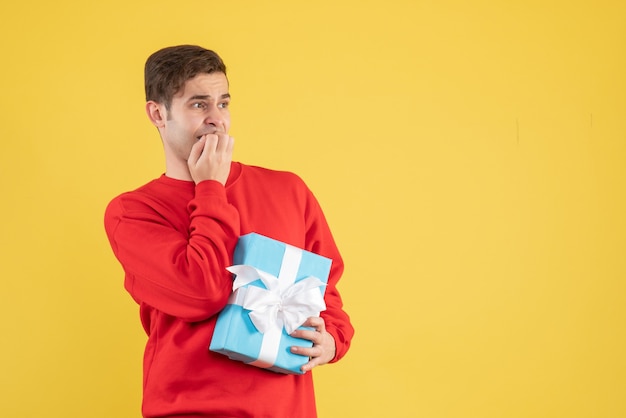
<point x="174" y="240"/>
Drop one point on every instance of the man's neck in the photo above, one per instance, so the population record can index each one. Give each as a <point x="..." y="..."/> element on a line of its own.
<point x="177" y="170"/>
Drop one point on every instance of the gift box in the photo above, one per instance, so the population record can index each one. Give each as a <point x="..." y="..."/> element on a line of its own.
<point x="276" y="288"/>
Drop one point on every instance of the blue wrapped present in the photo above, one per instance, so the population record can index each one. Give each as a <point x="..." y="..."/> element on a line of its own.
<point x="276" y="288"/>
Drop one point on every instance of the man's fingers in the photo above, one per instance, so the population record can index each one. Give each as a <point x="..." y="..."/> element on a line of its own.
<point x="230" y="145"/>
<point x="323" y="349"/>
<point x="315" y="322"/>
<point x="212" y="143"/>
<point x="196" y="151"/>
<point x="210" y="158"/>
<point x="312" y="352"/>
<point x="217" y="145"/>
<point x="223" y="144"/>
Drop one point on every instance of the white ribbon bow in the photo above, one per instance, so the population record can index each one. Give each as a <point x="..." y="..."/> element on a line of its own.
<point x="282" y="303"/>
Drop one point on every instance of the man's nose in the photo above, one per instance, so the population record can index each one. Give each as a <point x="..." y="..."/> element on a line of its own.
<point x="214" y="117"/>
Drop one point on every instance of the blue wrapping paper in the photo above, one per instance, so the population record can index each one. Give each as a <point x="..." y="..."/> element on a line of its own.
<point x="235" y="333"/>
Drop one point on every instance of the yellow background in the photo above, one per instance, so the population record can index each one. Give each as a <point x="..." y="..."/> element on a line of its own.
<point x="470" y="157"/>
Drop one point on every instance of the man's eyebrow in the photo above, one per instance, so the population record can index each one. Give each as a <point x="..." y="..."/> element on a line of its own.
<point x="207" y="97"/>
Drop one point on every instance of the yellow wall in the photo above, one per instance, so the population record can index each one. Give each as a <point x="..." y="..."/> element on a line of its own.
<point x="470" y="156"/>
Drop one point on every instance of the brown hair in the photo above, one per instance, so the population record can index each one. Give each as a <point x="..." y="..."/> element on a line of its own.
<point x="168" y="69"/>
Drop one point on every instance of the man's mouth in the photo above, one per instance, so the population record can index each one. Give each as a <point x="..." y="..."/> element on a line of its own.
<point x="210" y="132"/>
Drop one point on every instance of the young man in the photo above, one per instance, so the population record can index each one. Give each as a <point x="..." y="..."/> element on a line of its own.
<point x="176" y="235"/>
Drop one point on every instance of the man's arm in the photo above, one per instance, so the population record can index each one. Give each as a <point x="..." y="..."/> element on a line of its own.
<point x="333" y="331"/>
<point x="181" y="273"/>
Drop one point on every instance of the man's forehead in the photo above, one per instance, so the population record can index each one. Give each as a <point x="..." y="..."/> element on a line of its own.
<point x="213" y="85"/>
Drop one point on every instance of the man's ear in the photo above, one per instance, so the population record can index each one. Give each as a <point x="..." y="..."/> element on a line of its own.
<point x="157" y="113"/>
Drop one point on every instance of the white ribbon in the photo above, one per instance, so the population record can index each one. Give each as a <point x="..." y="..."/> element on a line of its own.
<point x="278" y="307"/>
<point x="284" y="303"/>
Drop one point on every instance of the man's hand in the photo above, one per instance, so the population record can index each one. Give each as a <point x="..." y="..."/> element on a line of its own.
<point x="323" y="349"/>
<point x="210" y="158"/>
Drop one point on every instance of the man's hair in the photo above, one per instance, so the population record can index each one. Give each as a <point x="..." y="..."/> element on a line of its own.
<point x="168" y="69"/>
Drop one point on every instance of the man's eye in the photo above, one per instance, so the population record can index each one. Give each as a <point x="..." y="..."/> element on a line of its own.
<point x="198" y="105"/>
<point x="223" y="105"/>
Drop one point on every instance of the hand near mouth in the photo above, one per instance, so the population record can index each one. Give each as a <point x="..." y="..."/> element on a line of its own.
<point x="212" y="129"/>
<point x="210" y="157"/>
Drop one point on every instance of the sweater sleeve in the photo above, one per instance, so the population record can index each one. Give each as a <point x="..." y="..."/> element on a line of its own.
<point x="180" y="273"/>
<point x="319" y="240"/>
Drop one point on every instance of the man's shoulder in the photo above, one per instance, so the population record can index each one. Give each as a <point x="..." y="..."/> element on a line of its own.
<point x="158" y="190"/>
<point x="272" y="175"/>
<point x="144" y="189"/>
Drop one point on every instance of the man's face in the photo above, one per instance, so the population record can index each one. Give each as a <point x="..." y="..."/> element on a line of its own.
<point x="199" y="108"/>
